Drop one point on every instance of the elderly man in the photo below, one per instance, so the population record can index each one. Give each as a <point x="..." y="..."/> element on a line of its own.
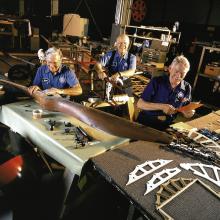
<point x="55" y="78"/>
<point x="164" y="94"/>
<point x="118" y="64"/>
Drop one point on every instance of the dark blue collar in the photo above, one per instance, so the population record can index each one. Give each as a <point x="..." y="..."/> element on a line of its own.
<point x="124" y="57"/>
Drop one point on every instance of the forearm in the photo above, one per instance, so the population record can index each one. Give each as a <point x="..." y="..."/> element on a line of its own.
<point x="149" y="106"/>
<point x="127" y="73"/>
<point x="73" y="91"/>
<point x="98" y="67"/>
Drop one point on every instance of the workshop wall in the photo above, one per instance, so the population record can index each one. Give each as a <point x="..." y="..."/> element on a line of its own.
<point x="199" y="20"/>
<point x="9" y="7"/>
<point x="189" y="11"/>
<point x="195" y="16"/>
<point x="101" y="15"/>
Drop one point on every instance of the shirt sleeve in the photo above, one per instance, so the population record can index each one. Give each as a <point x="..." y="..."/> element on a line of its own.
<point x="71" y="78"/>
<point x="149" y="91"/>
<point x="38" y="78"/>
<point x="105" y="59"/>
<point x="188" y="94"/>
<point x="132" y="62"/>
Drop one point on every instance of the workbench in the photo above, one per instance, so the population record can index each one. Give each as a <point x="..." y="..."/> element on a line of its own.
<point x="210" y="121"/>
<point x="115" y="104"/>
<point x="114" y="166"/>
<point x="56" y="143"/>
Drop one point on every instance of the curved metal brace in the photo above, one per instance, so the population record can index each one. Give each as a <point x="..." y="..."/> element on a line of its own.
<point x="158" y="176"/>
<point x="203" y="173"/>
<point x="153" y="164"/>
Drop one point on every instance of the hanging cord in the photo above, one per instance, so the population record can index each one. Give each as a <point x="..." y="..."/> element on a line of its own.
<point x="72" y="15"/>
<point x="94" y="21"/>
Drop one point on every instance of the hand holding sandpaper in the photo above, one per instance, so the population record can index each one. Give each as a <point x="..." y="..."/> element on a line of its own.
<point x="191" y="106"/>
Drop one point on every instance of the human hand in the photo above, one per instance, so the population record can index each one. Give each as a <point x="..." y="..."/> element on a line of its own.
<point x="168" y="109"/>
<point x="33" y="89"/>
<point x="188" y="114"/>
<point x="102" y="75"/>
<point x="115" y="77"/>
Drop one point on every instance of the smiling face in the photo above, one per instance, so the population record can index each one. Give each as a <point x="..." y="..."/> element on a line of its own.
<point x="122" y="44"/>
<point x="178" y="70"/>
<point x="177" y="74"/>
<point x="53" y="62"/>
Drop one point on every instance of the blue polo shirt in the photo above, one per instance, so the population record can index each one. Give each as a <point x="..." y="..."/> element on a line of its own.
<point x="159" y="90"/>
<point x="64" y="78"/>
<point x="119" y="64"/>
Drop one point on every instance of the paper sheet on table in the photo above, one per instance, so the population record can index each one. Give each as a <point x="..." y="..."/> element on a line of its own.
<point x="181" y="126"/>
<point x="191" y="106"/>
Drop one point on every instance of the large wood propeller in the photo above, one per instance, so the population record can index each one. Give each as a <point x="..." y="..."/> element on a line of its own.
<point x="95" y="118"/>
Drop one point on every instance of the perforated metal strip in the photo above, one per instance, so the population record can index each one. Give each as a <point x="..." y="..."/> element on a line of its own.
<point x="153" y="165"/>
<point x="158" y="178"/>
<point x="203" y="172"/>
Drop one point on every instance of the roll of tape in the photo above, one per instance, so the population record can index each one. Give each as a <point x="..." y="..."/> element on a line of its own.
<point x="37" y="113"/>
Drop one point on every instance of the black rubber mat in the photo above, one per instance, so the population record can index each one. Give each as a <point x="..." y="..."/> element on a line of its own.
<point x="115" y="166"/>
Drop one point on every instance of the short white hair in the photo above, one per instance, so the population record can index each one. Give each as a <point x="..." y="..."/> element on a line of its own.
<point x="123" y="36"/>
<point x="181" y="60"/>
<point x="53" y="51"/>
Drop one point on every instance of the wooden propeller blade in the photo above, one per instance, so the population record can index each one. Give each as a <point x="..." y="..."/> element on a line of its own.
<point x="98" y="119"/>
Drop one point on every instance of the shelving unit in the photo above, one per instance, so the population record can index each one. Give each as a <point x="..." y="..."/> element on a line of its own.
<point x="147" y="32"/>
<point x="175" y="35"/>
<point x="200" y="69"/>
<point x="204" y="83"/>
<point x="7" y="29"/>
<point x="152" y="43"/>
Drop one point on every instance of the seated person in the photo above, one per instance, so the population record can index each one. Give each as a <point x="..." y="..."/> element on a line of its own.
<point x="120" y="64"/>
<point x="55" y="78"/>
<point x="164" y="94"/>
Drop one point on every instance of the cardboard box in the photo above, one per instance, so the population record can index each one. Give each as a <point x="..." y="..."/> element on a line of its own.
<point x="212" y="70"/>
<point x="74" y="25"/>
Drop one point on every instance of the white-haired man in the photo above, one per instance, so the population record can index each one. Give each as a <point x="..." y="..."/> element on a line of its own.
<point x="120" y="64"/>
<point x="164" y="94"/>
<point x="54" y="78"/>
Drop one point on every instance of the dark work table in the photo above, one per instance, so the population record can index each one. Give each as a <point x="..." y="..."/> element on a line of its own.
<point x="116" y="165"/>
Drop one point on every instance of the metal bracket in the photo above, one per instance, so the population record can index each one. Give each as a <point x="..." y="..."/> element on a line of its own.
<point x="159" y="178"/>
<point x="153" y="165"/>
<point x="203" y="173"/>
